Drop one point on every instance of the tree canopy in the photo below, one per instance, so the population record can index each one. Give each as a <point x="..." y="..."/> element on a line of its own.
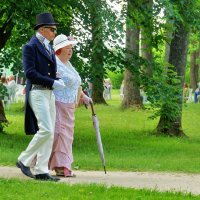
<point x="101" y="31"/>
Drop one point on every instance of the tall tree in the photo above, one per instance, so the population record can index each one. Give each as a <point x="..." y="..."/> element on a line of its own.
<point x="97" y="60"/>
<point x="71" y="15"/>
<point x="131" y="82"/>
<point x="146" y="36"/>
<point x="99" y="23"/>
<point x="167" y="42"/>
<point x="194" y="63"/>
<point x="16" y="22"/>
<point x="172" y="124"/>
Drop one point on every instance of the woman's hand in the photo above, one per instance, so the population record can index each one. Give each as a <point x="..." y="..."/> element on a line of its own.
<point x="86" y="99"/>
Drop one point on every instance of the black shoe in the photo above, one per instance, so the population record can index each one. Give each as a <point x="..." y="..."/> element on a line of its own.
<point x="25" y="170"/>
<point x="46" y="177"/>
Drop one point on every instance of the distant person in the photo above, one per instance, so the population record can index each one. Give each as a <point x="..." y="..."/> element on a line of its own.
<point x="107" y="88"/>
<point x="62" y="157"/>
<point x="185" y="92"/>
<point x="6" y="97"/>
<point x="4" y="81"/>
<point x="90" y="87"/>
<point x="196" y="94"/>
<point x="122" y="90"/>
<point x="40" y="71"/>
<point x="12" y="88"/>
<point x="190" y="94"/>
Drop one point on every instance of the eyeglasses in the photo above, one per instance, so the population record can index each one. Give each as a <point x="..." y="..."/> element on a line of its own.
<point x="52" y="29"/>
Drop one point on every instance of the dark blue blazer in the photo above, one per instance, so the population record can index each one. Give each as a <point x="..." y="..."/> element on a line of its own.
<point x="39" y="68"/>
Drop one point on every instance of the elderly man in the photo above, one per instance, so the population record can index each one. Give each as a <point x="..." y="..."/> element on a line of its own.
<point x="40" y="71"/>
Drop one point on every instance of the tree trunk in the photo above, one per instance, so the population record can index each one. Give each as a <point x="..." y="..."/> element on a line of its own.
<point x="167" y="48"/>
<point x="146" y="41"/>
<point x="146" y="52"/>
<point x="131" y="93"/>
<point x="194" y="68"/>
<point x="97" y="54"/>
<point x="5" y="33"/>
<point x="131" y="85"/>
<point x="177" y="58"/>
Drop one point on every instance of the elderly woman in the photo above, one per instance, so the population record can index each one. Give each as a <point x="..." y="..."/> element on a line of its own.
<point x="61" y="156"/>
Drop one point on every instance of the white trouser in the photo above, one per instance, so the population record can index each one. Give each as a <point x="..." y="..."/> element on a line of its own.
<point x="42" y="103"/>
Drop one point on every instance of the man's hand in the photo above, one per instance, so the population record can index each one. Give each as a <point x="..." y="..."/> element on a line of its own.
<point x="58" y="84"/>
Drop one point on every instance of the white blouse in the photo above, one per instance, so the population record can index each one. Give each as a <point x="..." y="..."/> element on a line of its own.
<point x="72" y="82"/>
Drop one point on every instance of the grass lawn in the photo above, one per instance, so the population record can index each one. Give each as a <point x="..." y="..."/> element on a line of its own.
<point x="34" y="190"/>
<point x="127" y="137"/>
<point x="129" y="145"/>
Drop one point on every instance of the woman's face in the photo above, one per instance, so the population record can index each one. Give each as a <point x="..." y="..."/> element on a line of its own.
<point x="67" y="51"/>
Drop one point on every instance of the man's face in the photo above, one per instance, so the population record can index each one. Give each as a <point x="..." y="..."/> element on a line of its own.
<point x="49" y="32"/>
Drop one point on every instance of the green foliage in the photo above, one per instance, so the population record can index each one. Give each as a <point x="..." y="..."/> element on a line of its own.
<point x="194" y="42"/>
<point x="3" y="94"/>
<point x="163" y="88"/>
<point x="3" y="91"/>
<point x="75" y="18"/>
<point x="11" y="58"/>
<point x="116" y="79"/>
<point x="163" y="92"/>
<point x="187" y="75"/>
<point x="23" y="19"/>
<point x="2" y="126"/>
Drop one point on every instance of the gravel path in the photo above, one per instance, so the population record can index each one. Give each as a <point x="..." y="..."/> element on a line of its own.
<point x="149" y="180"/>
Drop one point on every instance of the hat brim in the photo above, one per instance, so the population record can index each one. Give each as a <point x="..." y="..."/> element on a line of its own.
<point x="47" y="24"/>
<point x="64" y="44"/>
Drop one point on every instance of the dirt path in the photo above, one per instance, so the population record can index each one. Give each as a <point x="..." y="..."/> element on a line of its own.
<point x="151" y="180"/>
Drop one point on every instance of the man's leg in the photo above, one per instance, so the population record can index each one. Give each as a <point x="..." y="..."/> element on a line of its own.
<point x="39" y="101"/>
<point x="44" y="151"/>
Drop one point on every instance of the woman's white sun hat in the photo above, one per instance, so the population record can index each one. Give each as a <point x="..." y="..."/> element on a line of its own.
<point x="62" y="40"/>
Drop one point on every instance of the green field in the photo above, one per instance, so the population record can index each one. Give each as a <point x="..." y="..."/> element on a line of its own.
<point x="34" y="190"/>
<point x="129" y="145"/>
<point x="127" y="137"/>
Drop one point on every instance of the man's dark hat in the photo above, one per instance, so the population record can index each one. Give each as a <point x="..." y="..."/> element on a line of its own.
<point x="44" y="19"/>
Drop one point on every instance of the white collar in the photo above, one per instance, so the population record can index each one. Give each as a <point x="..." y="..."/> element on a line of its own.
<point x="42" y="39"/>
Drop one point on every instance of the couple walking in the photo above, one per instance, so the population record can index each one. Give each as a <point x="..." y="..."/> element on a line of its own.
<point x="52" y="90"/>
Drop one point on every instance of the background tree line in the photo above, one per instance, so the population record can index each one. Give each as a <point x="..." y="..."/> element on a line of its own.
<point x="154" y="55"/>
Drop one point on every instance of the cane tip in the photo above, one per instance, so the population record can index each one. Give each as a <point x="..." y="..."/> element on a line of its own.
<point x="105" y="170"/>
